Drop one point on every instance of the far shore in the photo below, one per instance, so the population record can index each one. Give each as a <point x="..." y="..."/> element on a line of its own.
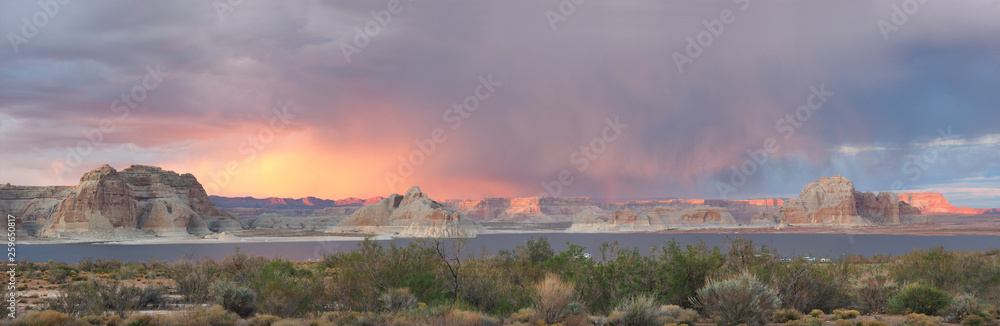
<point x="943" y="225"/>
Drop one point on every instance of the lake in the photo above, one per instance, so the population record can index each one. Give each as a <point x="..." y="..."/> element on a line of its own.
<point x="822" y="245"/>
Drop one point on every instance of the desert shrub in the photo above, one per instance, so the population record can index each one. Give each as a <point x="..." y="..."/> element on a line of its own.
<point x="739" y="300"/>
<point x="491" y="291"/>
<point x="962" y="306"/>
<point x="977" y="273"/>
<point x="78" y="299"/>
<point x="264" y="320"/>
<point x="805" y="286"/>
<point x="360" y="276"/>
<point x="524" y="315"/>
<point x="152" y="297"/>
<point x="460" y="317"/>
<point x="241" y="265"/>
<point x="149" y="320"/>
<point x="46" y="317"/>
<point x="286" y="291"/>
<point x="119" y="298"/>
<point x="872" y="290"/>
<point x="554" y="299"/>
<point x="816" y="313"/>
<point x="808" y="321"/>
<point x="235" y="298"/>
<point x="685" y="270"/>
<point x="58" y="276"/>
<point x="845" y="314"/>
<point x="974" y="320"/>
<point x="678" y="315"/>
<point x="786" y="315"/>
<point x="193" y="280"/>
<point x="843" y="322"/>
<point x="86" y="264"/>
<point x="921" y="299"/>
<point x="638" y="311"/>
<point x="921" y="320"/>
<point x="621" y="275"/>
<point x="398" y="299"/>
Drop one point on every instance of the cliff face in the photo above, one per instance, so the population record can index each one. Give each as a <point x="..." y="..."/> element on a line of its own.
<point x="289" y="203"/>
<point x="173" y="204"/>
<point x="525" y="209"/>
<point x="410" y="215"/>
<point x="657" y="219"/>
<point x="101" y="201"/>
<point x="31" y="206"/>
<point x="834" y="201"/>
<point x="139" y="197"/>
<point x="932" y="202"/>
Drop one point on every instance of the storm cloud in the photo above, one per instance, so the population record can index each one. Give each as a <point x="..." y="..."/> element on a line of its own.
<point x="701" y="85"/>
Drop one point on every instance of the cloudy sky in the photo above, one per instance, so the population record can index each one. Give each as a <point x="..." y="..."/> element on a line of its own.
<point x="609" y="99"/>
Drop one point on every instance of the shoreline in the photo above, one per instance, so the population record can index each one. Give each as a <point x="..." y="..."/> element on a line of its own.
<point x="278" y="237"/>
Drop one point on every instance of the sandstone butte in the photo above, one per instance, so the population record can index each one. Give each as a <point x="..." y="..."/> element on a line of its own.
<point x="140" y="197"/>
<point x="410" y="215"/>
<point x="834" y="201"/>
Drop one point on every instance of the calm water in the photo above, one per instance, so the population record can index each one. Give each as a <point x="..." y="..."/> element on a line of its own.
<point x="828" y="245"/>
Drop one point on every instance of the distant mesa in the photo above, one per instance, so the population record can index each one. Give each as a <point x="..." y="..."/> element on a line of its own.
<point x="410" y="215"/>
<point x="525" y="209"/>
<point x="143" y="199"/>
<point x="657" y="219"/>
<point x="835" y="202"/>
<point x="932" y="202"/>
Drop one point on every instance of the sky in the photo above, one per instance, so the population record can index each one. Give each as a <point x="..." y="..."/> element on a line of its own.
<point x="608" y="99"/>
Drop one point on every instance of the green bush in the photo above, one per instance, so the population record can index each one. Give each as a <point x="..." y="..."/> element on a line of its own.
<point x="920" y="299"/>
<point x="786" y="315"/>
<point x="637" y="311"/>
<point x="235" y="298"/>
<point x="287" y="291"/>
<point x="816" y="313"/>
<point x="740" y="300"/>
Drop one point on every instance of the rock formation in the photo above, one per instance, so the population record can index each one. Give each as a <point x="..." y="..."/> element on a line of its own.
<point x="172" y="204"/>
<point x="138" y="198"/>
<point x="932" y="202"/>
<point x="102" y="201"/>
<point x="657" y="219"/>
<point x="312" y="223"/>
<point x="410" y="215"/>
<point x="525" y="209"/>
<point x="695" y="217"/>
<point x="31" y="206"/>
<point x="764" y="219"/>
<point x="834" y="201"/>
